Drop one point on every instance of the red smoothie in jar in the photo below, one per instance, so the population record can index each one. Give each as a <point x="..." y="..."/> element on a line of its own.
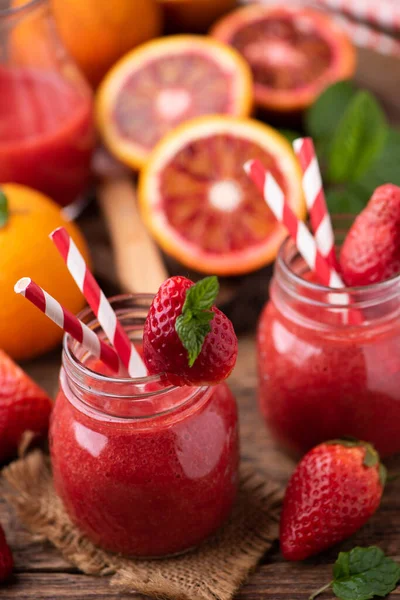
<point x="322" y="373"/>
<point x="143" y="469"/>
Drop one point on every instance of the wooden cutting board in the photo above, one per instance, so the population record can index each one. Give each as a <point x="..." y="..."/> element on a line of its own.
<point x="40" y="571"/>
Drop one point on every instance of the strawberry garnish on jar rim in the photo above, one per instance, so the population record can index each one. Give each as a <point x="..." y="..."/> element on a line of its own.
<point x="371" y="251"/>
<point x="186" y="336"/>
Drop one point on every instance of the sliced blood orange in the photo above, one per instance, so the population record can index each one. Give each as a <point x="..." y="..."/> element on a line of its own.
<point x="200" y="205"/>
<point x="164" y="83"/>
<point x="294" y="53"/>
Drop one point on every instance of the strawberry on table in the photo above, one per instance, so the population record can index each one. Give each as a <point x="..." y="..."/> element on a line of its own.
<point x="6" y="558"/>
<point x="24" y="406"/>
<point x="333" y="492"/>
<point x="186" y="336"/>
<point x="371" y="251"/>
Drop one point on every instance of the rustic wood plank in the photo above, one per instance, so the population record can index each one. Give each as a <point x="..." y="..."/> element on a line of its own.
<point x="41" y="573"/>
<point x="61" y="586"/>
<point x="274" y="581"/>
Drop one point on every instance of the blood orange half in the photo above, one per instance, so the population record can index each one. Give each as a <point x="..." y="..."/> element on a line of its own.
<point x="164" y="83"/>
<point x="294" y="53"/>
<point x="200" y="205"/>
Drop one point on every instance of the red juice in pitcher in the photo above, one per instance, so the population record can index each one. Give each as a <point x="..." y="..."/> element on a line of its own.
<point x="46" y="132"/>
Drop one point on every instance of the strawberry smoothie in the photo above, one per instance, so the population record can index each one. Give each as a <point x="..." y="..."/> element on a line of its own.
<point x="322" y="376"/>
<point x="143" y="469"/>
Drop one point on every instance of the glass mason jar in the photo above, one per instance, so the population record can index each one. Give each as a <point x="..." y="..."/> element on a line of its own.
<point x="46" y="127"/>
<point x="329" y="362"/>
<point x="143" y="468"/>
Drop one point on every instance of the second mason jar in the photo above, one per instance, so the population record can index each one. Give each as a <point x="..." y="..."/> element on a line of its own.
<point x="329" y="361"/>
<point x="143" y="468"/>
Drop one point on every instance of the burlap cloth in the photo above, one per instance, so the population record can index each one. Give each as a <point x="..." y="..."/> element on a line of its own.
<point x="212" y="572"/>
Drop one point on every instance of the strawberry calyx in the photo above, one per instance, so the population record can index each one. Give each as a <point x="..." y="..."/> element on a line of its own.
<point x="194" y="323"/>
<point x="371" y="458"/>
<point x="4" y="210"/>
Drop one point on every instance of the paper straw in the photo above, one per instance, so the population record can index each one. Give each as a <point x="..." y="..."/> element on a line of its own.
<point x="303" y="239"/>
<point x="301" y="236"/>
<point x="98" y="302"/>
<point x="315" y="199"/>
<point x="67" y="321"/>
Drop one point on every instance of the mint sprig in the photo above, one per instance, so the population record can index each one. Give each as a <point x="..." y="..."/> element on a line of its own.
<point x="358" y="140"/>
<point x="4" y="212"/>
<point x="385" y="168"/>
<point x="356" y="149"/>
<point x="322" y="119"/>
<point x="193" y="325"/>
<point x="362" y="574"/>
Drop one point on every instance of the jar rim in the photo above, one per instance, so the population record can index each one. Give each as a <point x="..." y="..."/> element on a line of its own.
<point x="83" y="370"/>
<point x="12" y="11"/>
<point x="135" y="401"/>
<point x="284" y="264"/>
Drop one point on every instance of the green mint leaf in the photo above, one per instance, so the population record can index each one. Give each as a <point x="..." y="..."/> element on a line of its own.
<point x="192" y="335"/>
<point x="322" y="118"/>
<point x="202" y="295"/>
<point x="341" y="567"/>
<point x="205" y="317"/>
<point x="358" y="140"/>
<point x="349" y="199"/>
<point x="385" y="169"/>
<point x="364" y="573"/>
<point x="290" y="134"/>
<point x="4" y="214"/>
<point x="193" y="325"/>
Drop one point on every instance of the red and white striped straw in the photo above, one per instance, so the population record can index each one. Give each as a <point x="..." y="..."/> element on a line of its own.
<point x="306" y="245"/>
<point x="315" y="199"/>
<point x="68" y="322"/>
<point x="98" y="302"/>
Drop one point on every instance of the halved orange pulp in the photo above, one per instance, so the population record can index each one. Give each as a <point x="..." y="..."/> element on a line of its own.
<point x="294" y="52"/>
<point x="200" y="205"/>
<point x="163" y="83"/>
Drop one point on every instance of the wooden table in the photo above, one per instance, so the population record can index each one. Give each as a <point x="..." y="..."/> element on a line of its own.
<point x="40" y="571"/>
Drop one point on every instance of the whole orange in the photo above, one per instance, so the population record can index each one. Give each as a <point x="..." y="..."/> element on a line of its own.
<point x="194" y="15"/>
<point x="27" y="251"/>
<point x="98" y="32"/>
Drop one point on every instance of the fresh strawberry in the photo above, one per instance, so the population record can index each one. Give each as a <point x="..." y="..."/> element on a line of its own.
<point x="6" y="558"/>
<point x="333" y="492"/>
<point x="24" y="406"/>
<point x="371" y="251"/>
<point x="186" y="336"/>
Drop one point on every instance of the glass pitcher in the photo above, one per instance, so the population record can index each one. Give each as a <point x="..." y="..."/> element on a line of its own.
<point x="46" y="127"/>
